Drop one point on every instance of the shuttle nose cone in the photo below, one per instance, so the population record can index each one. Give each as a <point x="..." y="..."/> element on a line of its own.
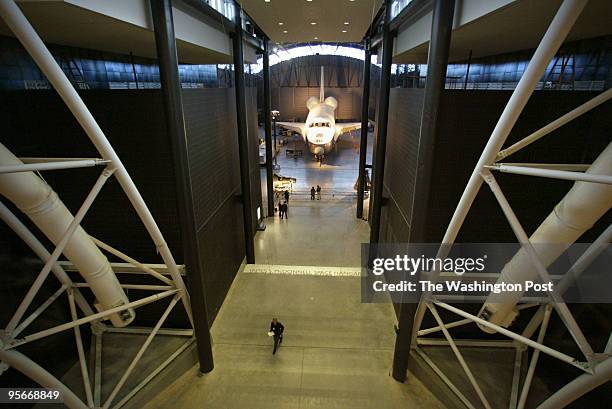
<point x="319" y="150"/>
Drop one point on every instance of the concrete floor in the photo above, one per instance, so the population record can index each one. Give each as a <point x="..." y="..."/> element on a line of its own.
<point x="316" y="233"/>
<point x="336" y="175"/>
<point x="337" y="352"/>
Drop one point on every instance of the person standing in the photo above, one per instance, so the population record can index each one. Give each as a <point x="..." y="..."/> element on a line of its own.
<point x="277" y="329"/>
<point x="287" y="196"/>
<point x="312" y="193"/>
<point x="282" y="209"/>
<point x="318" y="192"/>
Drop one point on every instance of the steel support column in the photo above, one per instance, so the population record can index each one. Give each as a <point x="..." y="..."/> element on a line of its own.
<point x="165" y="41"/>
<point x="268" y="128"/>
<point x="380" y="141"/>
<point x="243" y="142"/>
<point x="441" y="28"/>
<point x="363" y="143"/>
<point x="442" y="25"/>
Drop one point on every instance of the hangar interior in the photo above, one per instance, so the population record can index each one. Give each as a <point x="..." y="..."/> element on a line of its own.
<point x="149" y="146"/>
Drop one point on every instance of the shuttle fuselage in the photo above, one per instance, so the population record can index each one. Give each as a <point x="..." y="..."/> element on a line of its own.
<point x="320" y="127"/>
<point x="320" y="131"/>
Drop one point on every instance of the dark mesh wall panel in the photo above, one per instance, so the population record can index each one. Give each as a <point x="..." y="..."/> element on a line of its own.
<point x="210" y="118"/>
<point x="402" y="145"/>
<point x="466" y="120"/>
<point x="39" y="124"/>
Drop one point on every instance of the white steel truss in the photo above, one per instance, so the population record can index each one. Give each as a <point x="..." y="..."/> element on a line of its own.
<point x="597" y="367"/>
<point x="171" y="288"/>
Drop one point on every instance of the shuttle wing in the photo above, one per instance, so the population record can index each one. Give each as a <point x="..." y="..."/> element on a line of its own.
<point x="293" y="126"/>
<point x="347" y="127"/>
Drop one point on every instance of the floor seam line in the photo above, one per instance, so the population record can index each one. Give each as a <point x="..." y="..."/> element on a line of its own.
<point x="308" y="346"/>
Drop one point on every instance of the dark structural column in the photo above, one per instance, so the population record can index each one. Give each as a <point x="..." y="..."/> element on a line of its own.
<point x="380" y="142"/>
<point x="442" y="25"/>
<point x="437" y="61"/>
<point x="363" y="143"/>
<point x="173" y="104"/>
<point x="268" y="127"/>
<point x="243" y="142"/>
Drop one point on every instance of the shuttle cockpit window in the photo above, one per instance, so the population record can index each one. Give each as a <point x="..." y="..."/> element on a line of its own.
<point x="320" y="125"/>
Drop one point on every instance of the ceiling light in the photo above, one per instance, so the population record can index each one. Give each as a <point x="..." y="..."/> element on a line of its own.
<point x="316" y="38"/>
<point x="267" y="1"/>
<point x="280" y="23"/>
<point x="313" y="23"/>
<point x="344" y="31"/>
<point x="285" y="31"/>
<point x="346" y="23"/>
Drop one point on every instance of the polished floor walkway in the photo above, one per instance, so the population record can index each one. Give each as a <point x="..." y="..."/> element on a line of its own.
<point x="316" y="233"/>
<point x="337" y="351"/>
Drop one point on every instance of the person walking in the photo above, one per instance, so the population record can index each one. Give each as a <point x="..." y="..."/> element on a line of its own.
<point x="318" y="192"/>
<point x="277" y="329"/>
<point x="287" y="196"/>
<point x="312" y="193"/>
<point x="282" y="208"/>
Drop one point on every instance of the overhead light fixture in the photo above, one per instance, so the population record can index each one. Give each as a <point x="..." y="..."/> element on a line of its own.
<point x="313" y="23"/>
<point x="267" y="1"/>
<point x="285" y="31"/>
<point x="280" y="23"/>
<point x="316" y="38"/>
<point x="346" y="23"/>
<point x="344" y="31"/>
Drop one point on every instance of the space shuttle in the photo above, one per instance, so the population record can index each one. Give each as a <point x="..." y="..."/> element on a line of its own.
<point x="320" y="132"/>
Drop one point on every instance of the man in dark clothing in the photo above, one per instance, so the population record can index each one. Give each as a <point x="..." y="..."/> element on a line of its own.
<point x="287" y="196"/>
<point x="318" y="192"/>
<point x="312" y="193"/>
<point x="283" y="210"/>
<point x="277" y="328"/>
